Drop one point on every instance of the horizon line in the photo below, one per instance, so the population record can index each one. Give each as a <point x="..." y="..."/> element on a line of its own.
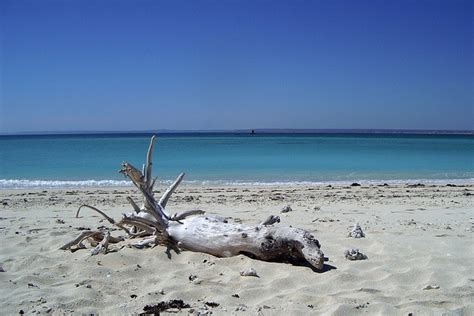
<point x="246" y="131"/>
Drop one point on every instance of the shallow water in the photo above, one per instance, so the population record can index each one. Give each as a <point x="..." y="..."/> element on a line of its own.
<point x="91" y="160"/>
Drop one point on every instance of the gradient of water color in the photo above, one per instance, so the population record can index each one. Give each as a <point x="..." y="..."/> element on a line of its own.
<point x="94" y="160"/>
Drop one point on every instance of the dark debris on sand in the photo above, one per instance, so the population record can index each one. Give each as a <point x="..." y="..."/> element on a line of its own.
<point x="163" y="306"/>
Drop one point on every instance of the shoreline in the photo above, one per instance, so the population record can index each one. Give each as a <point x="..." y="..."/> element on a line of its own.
<point x="19" y="184"/>
<point x="418" y="242"/>
<point x="206" y="194"/>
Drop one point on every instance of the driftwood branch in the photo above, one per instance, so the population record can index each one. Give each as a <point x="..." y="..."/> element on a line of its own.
<point x="110" y="219"/>
<point x="164" y="199"/>
<point x="103" y="246"/>
<point x="148" y="171"/>
<point x="194" y="231"/>
<point x="79" y="239"/>
<point x="134" y="205"/>
<point x="178" y="217"/>
<point x="271" y="220"/>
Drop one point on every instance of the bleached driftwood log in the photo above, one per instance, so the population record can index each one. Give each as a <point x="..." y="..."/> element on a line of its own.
<point x="194" y="231"/>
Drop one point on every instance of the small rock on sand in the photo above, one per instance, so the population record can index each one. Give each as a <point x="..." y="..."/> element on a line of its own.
<point x="241" y="308"/>
<point x="286" y="209"/>
<point x="356" y="232"/>
<point x="354" y="254"/>
<point x="249" y="272"/>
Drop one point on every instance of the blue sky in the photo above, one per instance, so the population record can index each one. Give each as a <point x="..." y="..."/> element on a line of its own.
<point x="139" y="65"/>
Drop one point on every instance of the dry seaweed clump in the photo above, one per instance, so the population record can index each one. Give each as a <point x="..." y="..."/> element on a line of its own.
<point x="164" y="306"/>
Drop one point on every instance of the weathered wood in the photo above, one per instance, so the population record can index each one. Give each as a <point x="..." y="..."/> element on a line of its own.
<point x="271" y="220"/>
<point x="164" y="199"/>
<point x="148" y="171"/>
<point x="269" y="243"/>
<point x="134" y="205"/>
<point x="103" y="246"/>
<point x="194" y="231"/>
<point x="107" y="217"/>
<point x="78" y="239"/>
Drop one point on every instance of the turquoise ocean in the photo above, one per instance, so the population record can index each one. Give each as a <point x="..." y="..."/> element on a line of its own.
<point x="47" y="161"/>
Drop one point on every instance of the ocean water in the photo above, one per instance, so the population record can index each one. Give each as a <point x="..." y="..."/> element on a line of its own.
<point x="94" y="160"/>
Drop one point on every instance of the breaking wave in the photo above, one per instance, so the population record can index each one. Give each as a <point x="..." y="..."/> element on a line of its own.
<point x="27" y="184"/>
<point x="40" y="184"/>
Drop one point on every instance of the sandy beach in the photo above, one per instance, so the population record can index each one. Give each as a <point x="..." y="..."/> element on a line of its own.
<point x="237" y="158"/>
<point x="419" y="244"/>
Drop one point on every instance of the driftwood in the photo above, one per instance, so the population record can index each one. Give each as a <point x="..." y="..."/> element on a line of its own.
<point x="191" y="230"/>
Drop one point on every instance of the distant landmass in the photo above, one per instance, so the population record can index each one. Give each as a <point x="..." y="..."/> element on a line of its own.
<point x="254" y="131"/>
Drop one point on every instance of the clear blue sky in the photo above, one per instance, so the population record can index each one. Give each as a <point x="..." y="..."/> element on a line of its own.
<point x="134" y="65"/>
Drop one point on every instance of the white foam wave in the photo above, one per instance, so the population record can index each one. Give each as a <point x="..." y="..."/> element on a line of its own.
<point x="38" y="184"/>
<point x="27" y="184"/>
<point x="468" y="181"/>
<point x="368" y="182"/>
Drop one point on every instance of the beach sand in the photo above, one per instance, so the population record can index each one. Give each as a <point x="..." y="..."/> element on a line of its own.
<point x="419" y="243"/>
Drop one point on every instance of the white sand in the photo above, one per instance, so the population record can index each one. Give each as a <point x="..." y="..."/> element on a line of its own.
<point x="415" y="237"/>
